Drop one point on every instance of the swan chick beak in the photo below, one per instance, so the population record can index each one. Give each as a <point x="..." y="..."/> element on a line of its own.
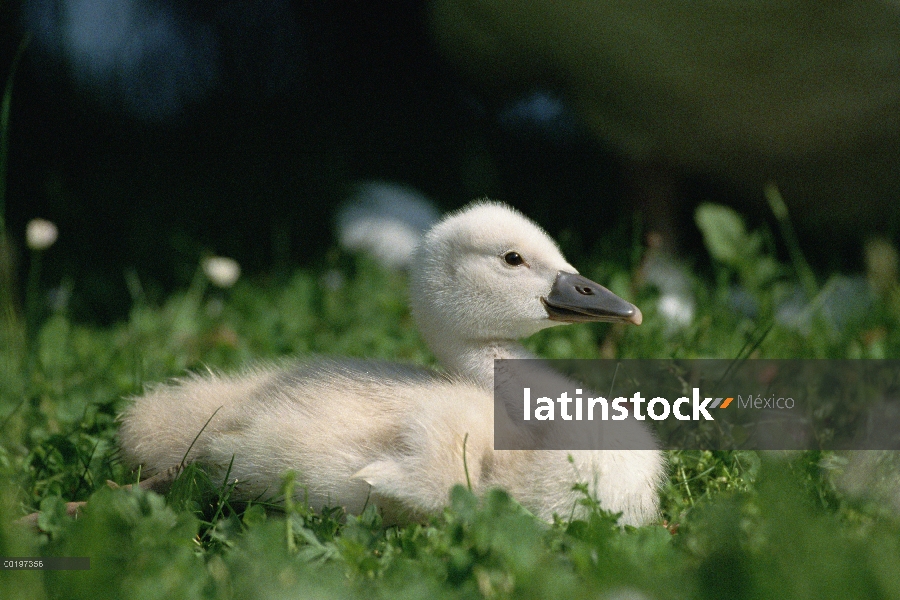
<point x="577" y="299"/>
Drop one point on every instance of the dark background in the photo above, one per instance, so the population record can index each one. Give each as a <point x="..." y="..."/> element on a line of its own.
<point x="238" y="127"/>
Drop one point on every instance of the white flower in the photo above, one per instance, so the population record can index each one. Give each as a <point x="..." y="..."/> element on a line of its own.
<point x="40" y="234"/>
<point x="222" y="272"/>
<point x="677" y="308"/>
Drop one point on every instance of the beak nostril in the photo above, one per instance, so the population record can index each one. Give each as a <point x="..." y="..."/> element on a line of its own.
<point x="584" y="291"/>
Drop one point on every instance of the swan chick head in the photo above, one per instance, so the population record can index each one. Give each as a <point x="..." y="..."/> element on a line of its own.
<point x="486" y="272"/>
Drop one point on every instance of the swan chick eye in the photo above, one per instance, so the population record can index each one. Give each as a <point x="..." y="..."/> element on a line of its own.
<point x="513" y="259"/>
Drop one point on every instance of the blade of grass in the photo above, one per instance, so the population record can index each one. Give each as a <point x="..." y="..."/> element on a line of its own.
<point x="748" y="348"/>
<point x="197" y="437"/>
<point x="224" y="494"/>
<point x="4" y="130"/>
<point x="779" y="209"/>
<point x="465" y="464"/>
<point x="7" y="298"/>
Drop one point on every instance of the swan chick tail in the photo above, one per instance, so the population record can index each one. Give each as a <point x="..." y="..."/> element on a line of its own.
<point x="172" y="423"/>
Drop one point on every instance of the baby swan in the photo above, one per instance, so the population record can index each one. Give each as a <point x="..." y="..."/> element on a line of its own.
<point x="360" y="432"/>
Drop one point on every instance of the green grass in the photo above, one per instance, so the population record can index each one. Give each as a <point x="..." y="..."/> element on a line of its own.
<point x="748" y="524"/>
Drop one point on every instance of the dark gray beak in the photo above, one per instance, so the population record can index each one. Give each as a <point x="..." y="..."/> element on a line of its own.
<point x="577" y="299"/>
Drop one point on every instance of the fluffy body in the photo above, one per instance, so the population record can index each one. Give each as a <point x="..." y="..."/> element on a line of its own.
<point x="360" y="432"/>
